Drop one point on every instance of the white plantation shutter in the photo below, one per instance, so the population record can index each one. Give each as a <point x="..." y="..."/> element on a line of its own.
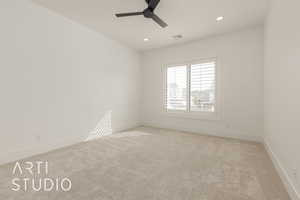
<point x="191" y="87"/>
<point x="202" y="87"/>
<point x="176" y="94"/>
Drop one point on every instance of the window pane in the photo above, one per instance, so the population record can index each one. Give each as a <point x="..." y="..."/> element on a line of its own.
<point x="203" y="87"/>
<point x="177" y="88"/>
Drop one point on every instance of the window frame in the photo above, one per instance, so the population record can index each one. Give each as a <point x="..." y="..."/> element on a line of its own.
<point x="188" y="113"/>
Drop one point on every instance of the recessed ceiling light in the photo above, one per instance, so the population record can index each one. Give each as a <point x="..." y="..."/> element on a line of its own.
<point x="146" y="39"/>
<point x="220" y="18"/>
<point x="177" y="37"/>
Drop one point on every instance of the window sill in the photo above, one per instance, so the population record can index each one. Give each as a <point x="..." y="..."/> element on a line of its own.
<point x="207" y="116"/>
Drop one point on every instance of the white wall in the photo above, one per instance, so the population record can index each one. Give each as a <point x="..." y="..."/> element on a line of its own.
<point x="240" y="58"/>
<point x="58" y="79"/>
<point x="282" y="88"/>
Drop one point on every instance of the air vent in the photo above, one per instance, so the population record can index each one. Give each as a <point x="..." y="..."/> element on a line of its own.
<point x="177" y="37"/>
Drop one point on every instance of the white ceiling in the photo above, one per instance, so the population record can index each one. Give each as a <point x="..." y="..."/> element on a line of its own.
<point x="194" y="19"/>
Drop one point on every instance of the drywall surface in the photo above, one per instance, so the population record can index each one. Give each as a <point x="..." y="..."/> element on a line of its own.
<point x="282" y="88"/>
<point x="240" y="62"/>
<point x="60" y="82"/>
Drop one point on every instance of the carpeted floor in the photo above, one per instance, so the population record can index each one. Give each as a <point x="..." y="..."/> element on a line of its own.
<point x="148" y="163"/>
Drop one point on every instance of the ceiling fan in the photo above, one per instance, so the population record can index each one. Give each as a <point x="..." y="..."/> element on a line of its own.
<point x="148" y="13"/>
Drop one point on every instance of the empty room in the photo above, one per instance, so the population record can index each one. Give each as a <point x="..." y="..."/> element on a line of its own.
<point x="150" y="100"/>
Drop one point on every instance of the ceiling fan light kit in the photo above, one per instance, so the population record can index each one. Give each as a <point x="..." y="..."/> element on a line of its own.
<point x="148" y="13"/>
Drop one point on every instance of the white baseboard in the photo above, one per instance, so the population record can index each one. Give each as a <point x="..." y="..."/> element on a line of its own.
<point x="41" y="148"/>
<point x="220" y="133"/>
<point x="290" y="187"/>
<point x="35" y="149"/>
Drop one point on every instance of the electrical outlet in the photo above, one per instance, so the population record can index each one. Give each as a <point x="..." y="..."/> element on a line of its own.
<point x="295" y="174"/>
<point x="38" y="138"/>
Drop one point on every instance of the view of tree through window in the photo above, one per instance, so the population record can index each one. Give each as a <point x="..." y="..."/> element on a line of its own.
<point x="191" y="87"/>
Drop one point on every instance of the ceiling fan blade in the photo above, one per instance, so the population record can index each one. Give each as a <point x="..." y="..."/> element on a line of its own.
<point x="129" y="14"/>
<point x="153" y="4"/>
<point x="159" y="21"/>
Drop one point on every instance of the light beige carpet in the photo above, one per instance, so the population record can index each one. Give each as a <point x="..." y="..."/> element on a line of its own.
<point x="148" y="163"/>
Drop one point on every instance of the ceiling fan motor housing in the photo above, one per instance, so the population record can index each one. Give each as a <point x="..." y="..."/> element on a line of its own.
<point x="148" y="13"/>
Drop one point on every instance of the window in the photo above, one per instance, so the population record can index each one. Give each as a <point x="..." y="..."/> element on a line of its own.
<point x="177" y="88"/>
<point x="202" y="87"/>
<point x="191" y="87"/>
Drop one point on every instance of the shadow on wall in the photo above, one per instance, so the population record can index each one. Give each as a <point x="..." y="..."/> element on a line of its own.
<point x="103" y="127"/>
